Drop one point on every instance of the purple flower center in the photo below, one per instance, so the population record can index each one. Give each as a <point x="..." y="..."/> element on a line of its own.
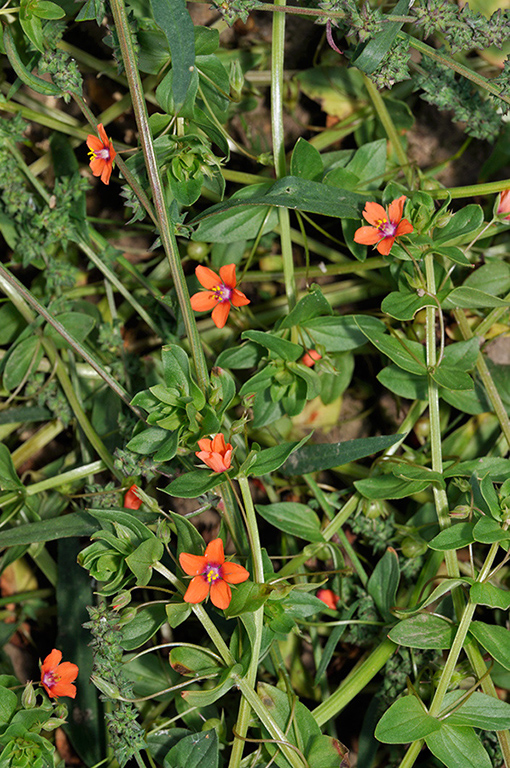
<point x="50" y="679"/>
<point x="387" y="228"/>
<point x="103" y="154"/>
<point x="222" y="292"/>
<point x="212" y="573"/>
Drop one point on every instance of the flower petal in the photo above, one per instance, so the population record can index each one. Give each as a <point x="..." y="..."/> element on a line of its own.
<point x="198" y="589"/>
<point x="374" y="213"/>
<point x="216" y="462"/>
<point x="97" y="165"/>
<point x="384" y="247"/>
<point x="234" y="573"/>
<point x="218" y="443"/>
<point x="228" y="275"/>
<point x="220" y="313"/>
<point x="193" y="565"/>
<point x="107" y="172"/>
<point x="207" y="277"/>
<point x="68" y="672"/>
<point x="51" y="661"/>
<point x="404" y="228"/>
<point x="62" y="689"/>
<point x="367" y="235"/>
<point x="221" y="594"/>
<point x="93" y="143"/>
<point x="238" y="298"/>
<point x="214" y="552"/>
<point x="102" y="134"/>
<point x="203" y="301"/>
<point x="205" y="444"/>
<point x="396" y="209"/>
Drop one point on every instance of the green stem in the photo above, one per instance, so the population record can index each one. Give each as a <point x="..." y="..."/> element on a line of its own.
<point x="243" y="717"/>
<point x="66" y="477"/>
<point x="389" y="127"/>
<point x="354" y="683"/>
<point x="485" y="375"/>
<point x="277" y="80"/>
<point x="165" y="225"/>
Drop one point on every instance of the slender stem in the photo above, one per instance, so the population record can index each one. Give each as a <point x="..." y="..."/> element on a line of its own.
<point x="165" y="225"/>
<point x="355" y="682"/>
<point x="485" y="375"/>
<point x="389" y="127"/>
<point x="66" y="477"/>
<point x="243" y="717"/>
<point x="277" y="61"/>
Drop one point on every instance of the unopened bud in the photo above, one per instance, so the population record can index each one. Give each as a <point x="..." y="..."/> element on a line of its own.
<point x="121" y="600"/>
<point x="109" y="690"/>
<point x="28" y="697"/>
<point x="236" y="79"/>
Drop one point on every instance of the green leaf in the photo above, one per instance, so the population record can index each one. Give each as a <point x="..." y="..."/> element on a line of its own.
<point x="452" y="378"/>
<point x="78" y="324"/>
<point x="241" y="222"/>
<point x="389" y="487"/>
<point x="471" y="298"/>
<point x="340" y="334"/>
<point x="209" y="696"/>
<point x="463" y="354"/>
<point x="383" y="583"/>
<point x="36" y="83"/>
<point x="479" y="710"/>
<point x="297" y="194"/>
<point x="495" y="640"/>
<point x="11" y="323"/>
<point x="413" y="472"/>
<point x="146" y="623"/>
<point x="312" y="458"/>
<point x="498" y="468"/>
<point x="47" y="10"/>
<point x="292" y="517"/>
<point x="306" y="161"/>
<point x="285" y="710"/>
<point x="441" y="590"/>
<point x="461" y="227"/>
<point x="488" y="531"/>
<point x="403" y="305"/>
<point x="246" y="598"/>
<point x="406" y="720"/>
<point x="143" y="559"/>
<point x="199" y="750"/>
<point x="403" y="383"/>
<point x="9" y="480"/>
<point x="74" y="524"/>
<point x="8" y="704"/>
<point x="458" y="746"/>
<point x="369" y="162"/>
<point x="453" y="253"/>
<point x="457" y="536"/>
<point x="246" y="355"/>
<point x="423" y="631"/>
<point x="175" y="21"/>
<point x="493" y="278"/>
<point x="270" y="459"/>
<point x="192" y="484"/>
<point x="188" y="538"/>
<point x="488" y="594"/>
<point x="284" y="349"/>
<point x="407" y="354"/>
<point x="313" y="305"/>
<point x="192" y="661"/>
<point x="23" y="359"/>
<point x="373" y="52"/>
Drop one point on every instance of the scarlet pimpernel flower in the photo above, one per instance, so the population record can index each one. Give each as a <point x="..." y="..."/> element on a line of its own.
<point x="504" y="203"/>
<point x="328" y="597"/>
<point x="310" y="358"/>
<point x="215" y="453"/>
<point x="220" y="294"/>
<point x="385" y="226"/>
<point x="211" y="575"/>
<point x="102" y="154"/>
<point x="56" y="678"/>
<point x="131" y="499"/>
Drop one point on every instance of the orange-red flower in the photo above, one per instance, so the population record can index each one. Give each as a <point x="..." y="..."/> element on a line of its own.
<point x="215" y="453"/>
<point x="310" y="358"/>
<point x="211" y="575"/>
<point x="102" y="154"/>
<point x="131" y="499"/>
<point x="56" y="678"/>
<point x="220" y="294"/>
<point x="328" y="597"/>
<point x="504" y="203"/>
<point x="385" y="226"/>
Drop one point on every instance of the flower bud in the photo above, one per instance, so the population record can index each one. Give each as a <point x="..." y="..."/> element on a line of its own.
<point x="236" y="79"/>
<point x="121" y="600"/>
<point x="28" y="697"/>
<point x="108" y="689"/>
